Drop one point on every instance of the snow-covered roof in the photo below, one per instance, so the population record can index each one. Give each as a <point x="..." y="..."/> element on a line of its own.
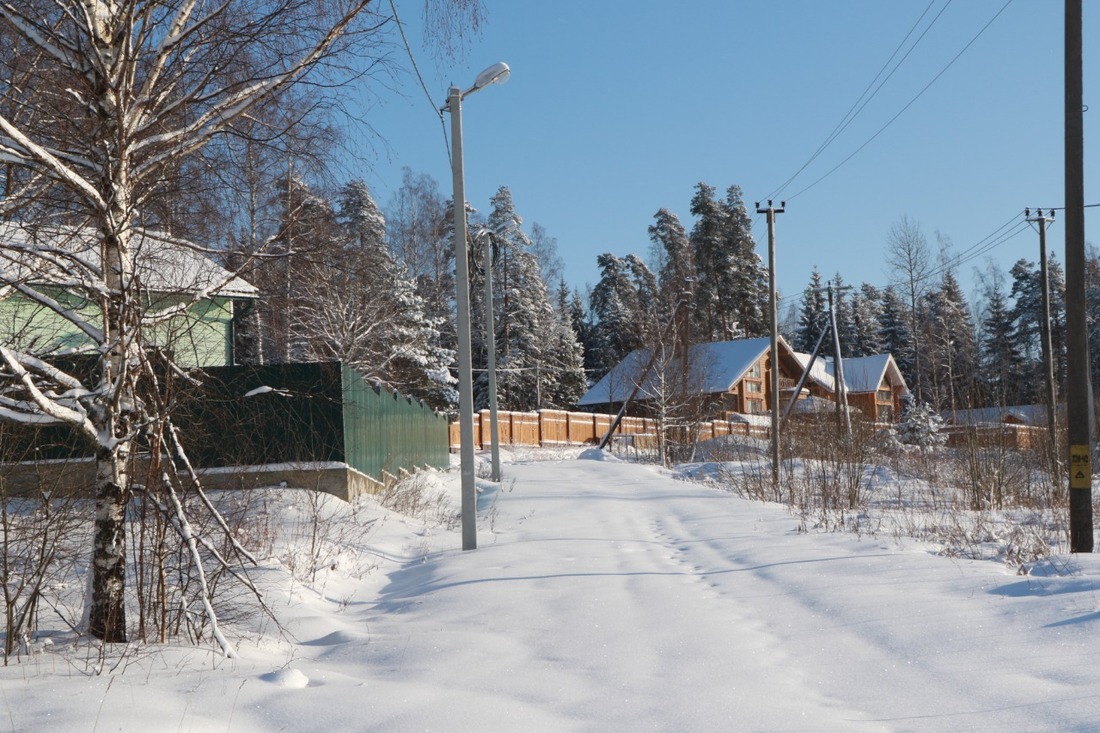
<point x="865" y="373"/>
<point x="714" y="367"/>
<point x="165" y="264"/>
<point x="862" y="374"/>
<point x="821" y="372"/>
<point x="1021" y="414"/>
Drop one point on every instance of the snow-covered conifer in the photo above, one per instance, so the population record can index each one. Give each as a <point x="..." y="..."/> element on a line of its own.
<point x="921" y="426"/>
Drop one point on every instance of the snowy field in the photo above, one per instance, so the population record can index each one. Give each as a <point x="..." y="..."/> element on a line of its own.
<point x="604" y="596"/>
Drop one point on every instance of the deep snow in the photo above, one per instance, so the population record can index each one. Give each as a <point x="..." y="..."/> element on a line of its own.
<point x="608" y="596"/>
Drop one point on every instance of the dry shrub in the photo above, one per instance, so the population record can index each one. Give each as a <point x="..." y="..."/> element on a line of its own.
<point x="419" y="496"/>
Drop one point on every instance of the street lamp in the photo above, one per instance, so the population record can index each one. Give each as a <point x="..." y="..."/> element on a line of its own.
<point x="493" y="75"/>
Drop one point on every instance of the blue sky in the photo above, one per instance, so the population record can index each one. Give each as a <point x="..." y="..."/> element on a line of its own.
<point x="616" y="109"/>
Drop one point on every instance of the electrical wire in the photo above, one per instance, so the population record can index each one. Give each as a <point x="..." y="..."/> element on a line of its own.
<point x="420" y="77"/>
<point x="909" y="104"/>
<point x="860" y="104"/>
<point x="1006" y="232"/>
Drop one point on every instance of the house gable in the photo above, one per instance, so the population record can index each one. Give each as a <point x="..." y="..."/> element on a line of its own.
<point x="188" y="297"/>
<point x="875" y="386"/>
<point x="734" y="375"/>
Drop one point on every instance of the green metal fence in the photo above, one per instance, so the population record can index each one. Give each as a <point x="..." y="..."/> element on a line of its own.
<point x="295" y="414"/>
<point x="387" y="431"/>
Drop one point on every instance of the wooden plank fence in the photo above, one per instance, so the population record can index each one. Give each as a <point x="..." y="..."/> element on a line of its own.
<point x="558" y="427"/>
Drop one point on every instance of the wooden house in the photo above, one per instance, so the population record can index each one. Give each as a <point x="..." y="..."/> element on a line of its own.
<point x="188" y="299"/>
<point x="876" y="386"/>
<point x="734" y="378"/>
<point x="730" y="377"/>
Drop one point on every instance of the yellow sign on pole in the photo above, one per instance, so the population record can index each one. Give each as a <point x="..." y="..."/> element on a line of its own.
<point x="1080" y="467"/>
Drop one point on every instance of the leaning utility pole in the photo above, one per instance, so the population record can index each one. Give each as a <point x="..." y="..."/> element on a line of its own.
<point x="1048" y="351"/>
<point x="1078" y="387"/>
<point x="773" y="320"/>
<point x="843" y="416"/>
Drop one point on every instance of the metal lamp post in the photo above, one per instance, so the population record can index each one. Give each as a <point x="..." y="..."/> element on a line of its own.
<point x="493" y="75"/>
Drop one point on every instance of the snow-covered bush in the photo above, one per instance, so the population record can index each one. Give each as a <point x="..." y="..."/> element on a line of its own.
<point x="921" y="426"/>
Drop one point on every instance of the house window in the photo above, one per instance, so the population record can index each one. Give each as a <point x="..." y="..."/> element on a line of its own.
<point x="755" y="371"/>
<point x="753" y="387"/>
<point x="754" y="407"/>
<point x="885" y="395"/>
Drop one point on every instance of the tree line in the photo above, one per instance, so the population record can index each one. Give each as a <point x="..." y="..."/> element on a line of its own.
<point x="955" y="353"/>
<point x="709" y="284"/>
<point x="343" y="279"/>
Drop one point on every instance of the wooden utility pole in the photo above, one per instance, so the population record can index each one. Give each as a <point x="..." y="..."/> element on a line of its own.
<point x="773" y="320"/>
<point x="843" y="416"/>
<point x="1079" y="408"/>
<point x="1048" y="350"/>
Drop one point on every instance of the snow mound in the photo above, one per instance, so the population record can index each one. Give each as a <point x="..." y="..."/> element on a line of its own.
<point x="1062" y="566"/>
<point x="595" y="454"/>
<point x="336" y="638"/>
<point x="293" y="679"/>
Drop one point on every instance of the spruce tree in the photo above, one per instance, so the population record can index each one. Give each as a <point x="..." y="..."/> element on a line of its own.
<point x="949" y="341"/>
<point x="1092" y="300"/>
<point x="813" y="316"/>
<point x="845" y="317"/>
<point x="355" y="302"/>
<point x="614" y="304"/>
<point x="866" y="310"/>
<point x="1027" y="313"/>
<point x="748" y="277"/>
<point x="566" y="353"/>
<point x="1000" y="358"/>
<point x="712" y="321"/>
<point x="895" y="334"/>
<point x="539" y="360"/>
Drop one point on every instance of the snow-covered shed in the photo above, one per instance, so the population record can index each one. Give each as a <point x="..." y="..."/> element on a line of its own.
<point x="62" y="263"/>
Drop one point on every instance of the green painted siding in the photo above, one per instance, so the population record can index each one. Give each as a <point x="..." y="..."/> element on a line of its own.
<point x="201" y="336"/>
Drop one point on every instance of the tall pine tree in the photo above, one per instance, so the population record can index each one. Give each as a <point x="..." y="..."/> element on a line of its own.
<point x="614" y="303"/>
<point x="895" y="334"/>
<point x="730" y="282"/>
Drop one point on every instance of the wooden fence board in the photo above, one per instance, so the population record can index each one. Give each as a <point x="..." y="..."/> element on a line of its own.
<point x="559" y="427"/>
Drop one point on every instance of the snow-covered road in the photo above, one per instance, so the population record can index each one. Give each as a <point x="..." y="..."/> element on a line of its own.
<point x="607" y="596"/>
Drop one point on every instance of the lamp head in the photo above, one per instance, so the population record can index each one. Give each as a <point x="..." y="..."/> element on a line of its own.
<point x="495" y="74"/>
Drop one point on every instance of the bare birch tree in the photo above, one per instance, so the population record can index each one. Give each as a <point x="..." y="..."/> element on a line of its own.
<point x="112" y="100"/>
<point x="908" y="257"/>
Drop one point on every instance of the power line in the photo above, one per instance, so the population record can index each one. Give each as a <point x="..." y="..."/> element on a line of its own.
<point x="420" y="77"/>
<point x="907" y="106"/>
<point x="1007" y="231"/>
<point x="857" y="107"/>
